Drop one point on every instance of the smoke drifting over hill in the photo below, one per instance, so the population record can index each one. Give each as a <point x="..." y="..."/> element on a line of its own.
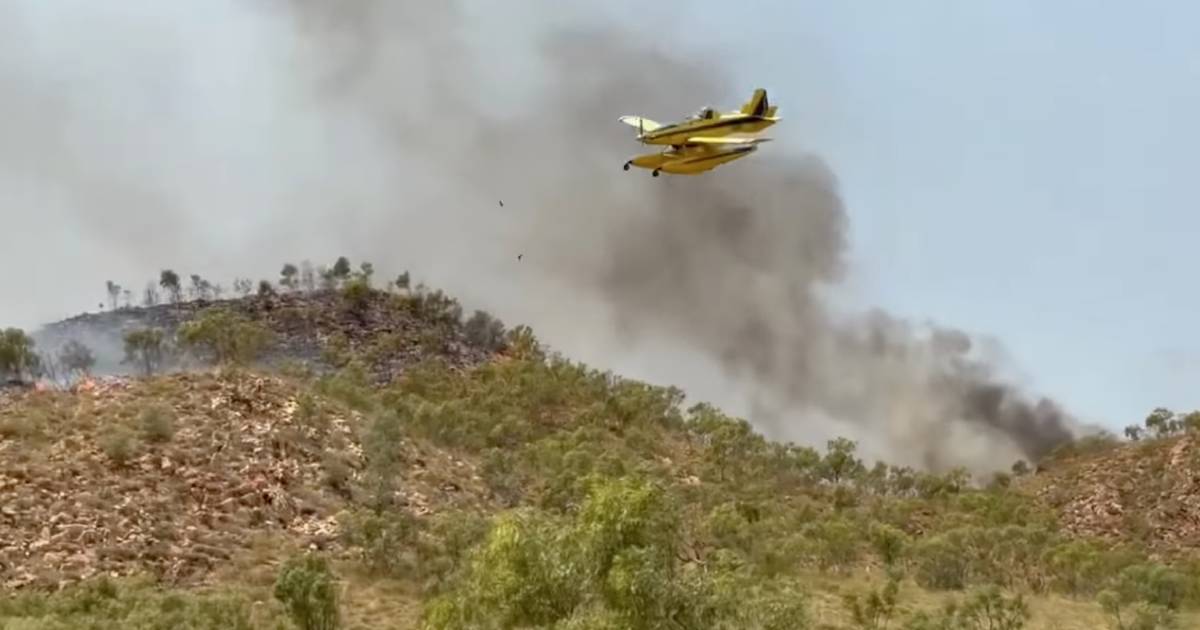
<point x="365" y="128"/>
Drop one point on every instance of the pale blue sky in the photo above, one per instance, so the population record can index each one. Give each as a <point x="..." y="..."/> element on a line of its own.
<point x="1020" y="169"/>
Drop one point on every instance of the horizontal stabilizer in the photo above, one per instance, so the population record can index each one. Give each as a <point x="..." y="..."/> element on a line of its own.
<point x="639" y="122"/>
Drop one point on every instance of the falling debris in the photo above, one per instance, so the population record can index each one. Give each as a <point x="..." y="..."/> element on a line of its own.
<point x="501" y="203"/>
<point x="519" y="256"/>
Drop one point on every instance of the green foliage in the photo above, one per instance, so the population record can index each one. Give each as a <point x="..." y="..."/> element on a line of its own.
<point x="382" y="448"/>
<point x="612" y="563"/>
<point x="18" y="360"/>
<point x="386" y="542"/>
<point x="356" y="296"/>
<point x="888" y="542"/>
<point x="157" y="422"/>
<point x="484" y="331"/>
<point x="225" y="337"/>
<point x="987" y="609"/>
<point x="876" y="609"/>
<point x="146" y="348"/>
<point x="1163" y="423"/>
<point x="840" y="463"/>
<point x="120" y="444"/>
<point x="105" y="604"/>
<point x="307" y="589"/>
<point x="76" y="357"/>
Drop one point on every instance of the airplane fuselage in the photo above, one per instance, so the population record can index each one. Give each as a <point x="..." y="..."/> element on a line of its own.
<point x="711" y="127"/>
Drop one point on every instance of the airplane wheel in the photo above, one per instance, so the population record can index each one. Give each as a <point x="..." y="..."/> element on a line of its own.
<point x="625" y="166"/>
<point x="654" y="173"/>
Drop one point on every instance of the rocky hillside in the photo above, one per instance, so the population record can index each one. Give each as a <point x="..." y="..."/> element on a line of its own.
<point x="362" y="458"/>
<point x="1146" y="492"/>
<point x="176" y="475"/>
<point x="321" y="328"/>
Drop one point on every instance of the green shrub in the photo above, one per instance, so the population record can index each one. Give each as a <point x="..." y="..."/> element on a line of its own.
<point x="157" y="422"/>
<point x="119" y="444"/>
<point x="306" y="588"/>
<point x="225" y="337"/>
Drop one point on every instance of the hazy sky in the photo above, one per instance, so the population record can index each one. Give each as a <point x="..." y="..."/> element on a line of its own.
<point x="1024" y="170"/>
<point x="1019" y="170"/>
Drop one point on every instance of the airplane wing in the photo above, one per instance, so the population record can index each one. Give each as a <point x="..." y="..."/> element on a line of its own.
<point x="639" y="122"/>
<point x="724" y="140"/>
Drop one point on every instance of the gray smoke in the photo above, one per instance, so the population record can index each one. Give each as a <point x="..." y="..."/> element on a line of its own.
<point x="369" y="128"/>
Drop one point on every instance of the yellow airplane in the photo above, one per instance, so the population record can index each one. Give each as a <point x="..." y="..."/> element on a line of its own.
<point x="705" y="140"/>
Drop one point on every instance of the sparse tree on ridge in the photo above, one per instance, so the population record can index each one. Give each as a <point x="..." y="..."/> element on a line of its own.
<point x="150" y="296"/>
<point x="114" y="293"/>
<point x="145" y="348"/>
<point x="288" y="276"/>
<point x="169" y="281"/>
<point x="341" y="268"/>
<point x="243" y="286"/>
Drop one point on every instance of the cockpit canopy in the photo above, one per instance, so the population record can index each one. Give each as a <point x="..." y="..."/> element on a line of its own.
<point x="705" y="113"/>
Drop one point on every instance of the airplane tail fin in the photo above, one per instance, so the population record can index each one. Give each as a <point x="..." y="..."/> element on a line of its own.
<point x="758" y="104"/>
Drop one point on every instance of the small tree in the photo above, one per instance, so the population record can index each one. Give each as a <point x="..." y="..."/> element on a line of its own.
<point x="114" y="292"/>
<point x="201" y="288"/>
<point x="169" y="281"/>
<point x="244" y="286"/>
<point x="18" y="359"/>
<point x="1020" y="468"/>
<point x="356" y="295"/>
<point x="341" y="268"/>
<point x="76" y="357"/>
<point x="403" y="281"/>
<point x="227" y="337"/>
<point x="1160" y="422"/>
<point x="307" y="589"/>
<point x="365" y="271"/>
<point x="145" y="348"/>
<point x="484" y="331"/>
<point x="839" y="462"/>
<point x="287" y="276"/>
<point x="150" y="295"/>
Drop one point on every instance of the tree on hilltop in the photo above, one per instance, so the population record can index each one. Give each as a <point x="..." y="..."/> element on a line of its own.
<point x="169" y="281"/>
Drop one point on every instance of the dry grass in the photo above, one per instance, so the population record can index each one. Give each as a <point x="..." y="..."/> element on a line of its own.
<point x="1047" y="612"/>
